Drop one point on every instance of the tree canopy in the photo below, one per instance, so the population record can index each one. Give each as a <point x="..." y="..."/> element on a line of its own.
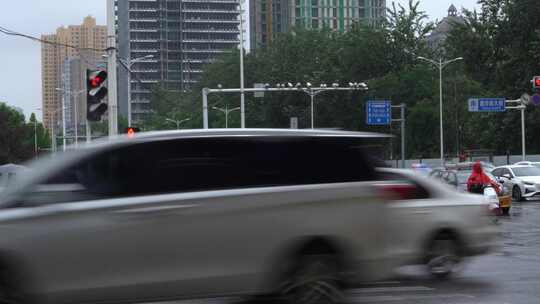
<point x="499" y="43"/>
<point x="17" y="136"/>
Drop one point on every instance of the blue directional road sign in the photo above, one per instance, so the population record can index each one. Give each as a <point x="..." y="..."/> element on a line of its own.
<point x="487" y="105"/>
<point x="536" y="99"/>
<point x="379" y="112"/>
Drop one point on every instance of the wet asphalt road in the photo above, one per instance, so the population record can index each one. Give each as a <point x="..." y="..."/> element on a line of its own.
<point x="509" y="275"/>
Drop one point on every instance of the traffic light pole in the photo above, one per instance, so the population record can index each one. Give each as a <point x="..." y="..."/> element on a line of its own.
<point x="88" y="132"/>
<point x="308" y="90"/>
<point x="402" y="122"/>
<point x="523" y="152"/>
<point x="520" y="106"/>
<point x="111" y="69"/>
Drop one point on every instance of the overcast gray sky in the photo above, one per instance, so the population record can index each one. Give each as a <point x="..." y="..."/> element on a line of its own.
<point x="20" y="59"/>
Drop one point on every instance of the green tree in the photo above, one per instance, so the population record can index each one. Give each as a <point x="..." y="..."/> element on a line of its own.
<point x="43" y="136"/>
<point x="15" y="137"/>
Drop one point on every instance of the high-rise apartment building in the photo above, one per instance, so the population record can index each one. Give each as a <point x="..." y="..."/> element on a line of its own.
<point x="270" y="17"/>
<point x="168" y="42"/>
<point x="88" y="38"/>
<point x="267" y="18"/>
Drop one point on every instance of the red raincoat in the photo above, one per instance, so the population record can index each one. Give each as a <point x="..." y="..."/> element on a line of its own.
<point x="480" y="179"/>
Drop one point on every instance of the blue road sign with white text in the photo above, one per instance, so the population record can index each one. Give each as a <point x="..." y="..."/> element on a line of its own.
<point x="487" y="105"/>
<point x="379" y="112"/>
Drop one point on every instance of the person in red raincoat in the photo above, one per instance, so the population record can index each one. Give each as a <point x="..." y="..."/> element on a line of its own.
<point x="479" y="180"/>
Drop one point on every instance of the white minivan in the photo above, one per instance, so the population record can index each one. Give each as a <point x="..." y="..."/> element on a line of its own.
<point x="199" y="213"/>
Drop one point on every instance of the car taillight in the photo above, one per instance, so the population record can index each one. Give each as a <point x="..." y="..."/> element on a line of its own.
<point x="398" y="191"/>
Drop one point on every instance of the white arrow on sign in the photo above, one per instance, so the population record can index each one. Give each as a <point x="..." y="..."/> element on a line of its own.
<point x="525" y="99"/>
<point x="473" y="104"/>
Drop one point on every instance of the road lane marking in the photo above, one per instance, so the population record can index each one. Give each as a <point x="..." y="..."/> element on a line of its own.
<point x="391" y="289"/>
<point x="401" y="298"/>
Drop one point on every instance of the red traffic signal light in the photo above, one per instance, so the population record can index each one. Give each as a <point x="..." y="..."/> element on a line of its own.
<point x="131" y="131"/>
<point x="96" y="78"/>
<point x="536" y="82"/>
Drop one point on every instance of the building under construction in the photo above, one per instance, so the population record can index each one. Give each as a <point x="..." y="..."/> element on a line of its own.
<point x="168" y="42"/>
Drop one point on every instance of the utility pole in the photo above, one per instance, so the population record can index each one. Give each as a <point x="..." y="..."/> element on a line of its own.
<point x="242" y="94"/>
<point x="111" y="70"/>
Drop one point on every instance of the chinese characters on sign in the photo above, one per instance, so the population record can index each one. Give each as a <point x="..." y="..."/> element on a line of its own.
<point x="487" y="105"/>
<point x="379" y="112"/>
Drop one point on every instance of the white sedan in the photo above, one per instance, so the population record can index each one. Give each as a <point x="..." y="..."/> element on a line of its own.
<point x="435" y="225"/>
<point x="524" y="180"/>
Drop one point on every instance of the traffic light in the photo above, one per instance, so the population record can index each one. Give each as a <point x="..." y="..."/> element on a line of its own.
<point x="131" y="131"/>
<point x="536" y="83"/>
<point x="95" y="93"/>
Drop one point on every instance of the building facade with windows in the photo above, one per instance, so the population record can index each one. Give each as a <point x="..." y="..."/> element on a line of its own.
<point x="168" y="43"/>
<point x="88" y="38"/>
<point x="270" y="17"/>
<point x="267" y="18"/>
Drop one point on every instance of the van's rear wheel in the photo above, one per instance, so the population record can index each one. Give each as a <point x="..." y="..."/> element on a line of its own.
<point x="314" y="279"/>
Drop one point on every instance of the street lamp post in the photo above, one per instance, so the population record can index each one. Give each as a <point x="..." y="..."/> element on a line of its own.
<point x="242" y="94"/>
<point x="226" y="111"/>
<point x="440" y="65"/>
<point x="127" y="64"/>
<point x="35" y="138"/>
<point x="75" y="110"/>
<point x="53" y="122"/>
<point x="177" y="122"/>
<point x="312" y="93"/>
<point x="63" y="119"/>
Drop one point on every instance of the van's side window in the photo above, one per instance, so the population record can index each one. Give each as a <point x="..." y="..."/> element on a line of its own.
<point x="199" y="164"/>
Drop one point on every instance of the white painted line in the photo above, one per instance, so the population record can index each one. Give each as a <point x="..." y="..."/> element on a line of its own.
<point x="386" y="283"/>
<point x="391" y="289"/>
<point x="374" y="299"/>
